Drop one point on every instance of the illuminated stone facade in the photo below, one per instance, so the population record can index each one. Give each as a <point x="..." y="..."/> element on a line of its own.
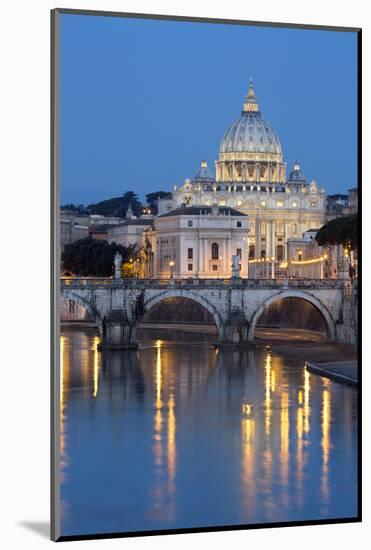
<point x="251" y="178"/>
<point x="198" y="242"/>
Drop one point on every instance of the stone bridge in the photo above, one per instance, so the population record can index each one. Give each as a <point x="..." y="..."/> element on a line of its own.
<point x="117" y="305"/>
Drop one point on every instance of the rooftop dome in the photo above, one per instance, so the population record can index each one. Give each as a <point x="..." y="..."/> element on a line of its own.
<point x="250" y="133"/>
<point x="204" y="173"/>
<point x="296" y="175"/>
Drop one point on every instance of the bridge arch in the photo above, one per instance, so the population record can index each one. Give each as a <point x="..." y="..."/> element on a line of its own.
<point x="320" y="306"/>
<point x="193" y="296"/>
<point x="93" y="312"/>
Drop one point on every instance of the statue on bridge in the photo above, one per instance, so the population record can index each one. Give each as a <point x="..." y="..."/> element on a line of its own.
<point x="118" y="263"/>
<point x="236" y="267"/>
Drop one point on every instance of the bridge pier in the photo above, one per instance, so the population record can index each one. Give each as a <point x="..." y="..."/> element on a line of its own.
<point x="118" y="332"/>
<point x="235" y="333"/>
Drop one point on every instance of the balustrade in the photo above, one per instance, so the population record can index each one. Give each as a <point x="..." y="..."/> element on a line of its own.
<point x="96" y="282"/>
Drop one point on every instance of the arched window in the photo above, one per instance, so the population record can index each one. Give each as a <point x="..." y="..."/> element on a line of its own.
<point x="215" y="251"/>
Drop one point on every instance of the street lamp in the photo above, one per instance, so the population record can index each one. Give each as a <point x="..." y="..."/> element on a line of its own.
<point x="171" y="264"/>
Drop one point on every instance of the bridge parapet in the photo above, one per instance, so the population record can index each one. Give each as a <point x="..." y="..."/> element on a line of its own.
<point x="274" y="284"/>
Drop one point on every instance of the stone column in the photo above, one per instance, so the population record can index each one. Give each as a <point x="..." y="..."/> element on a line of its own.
<point x="201" y="254"/>
<point x="285" y="241"/>
<point x="205" y="256"/>
<point x="229" y="254"/>
<point x="244" y="170"/>
<point x="268" y="238"/>
<point x="257" y="237"/>
<point x="197" y="257"/>
<point x="223" y="254"/>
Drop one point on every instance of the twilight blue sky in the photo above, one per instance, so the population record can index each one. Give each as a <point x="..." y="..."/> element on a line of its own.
<point x="142" y="102"/>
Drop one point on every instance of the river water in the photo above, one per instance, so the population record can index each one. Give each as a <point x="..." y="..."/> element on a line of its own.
<point x="180" y="435"/>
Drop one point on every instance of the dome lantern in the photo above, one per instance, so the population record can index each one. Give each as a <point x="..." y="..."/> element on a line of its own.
<point x="250" y="104"/>
<point x="204" y="173"/>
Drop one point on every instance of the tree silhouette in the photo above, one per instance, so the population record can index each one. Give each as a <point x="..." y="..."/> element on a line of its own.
<point x="340" y="231"/>
<point x="92" y="257"/>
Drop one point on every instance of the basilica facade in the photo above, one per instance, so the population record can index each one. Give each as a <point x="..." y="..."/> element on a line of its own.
<point x="251" y="178"/>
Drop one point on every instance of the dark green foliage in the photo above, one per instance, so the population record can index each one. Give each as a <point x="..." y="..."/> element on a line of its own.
<point x="340" y="231"/>
<point x="79" y="209"/>
<point x="117" y="206"/>
<point x="94" y="258"/>
<point x="151" y="199"/>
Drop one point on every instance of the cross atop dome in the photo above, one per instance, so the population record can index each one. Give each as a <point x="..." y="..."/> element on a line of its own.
<point x="251" y="88"/>
<point x="250" y="104"/>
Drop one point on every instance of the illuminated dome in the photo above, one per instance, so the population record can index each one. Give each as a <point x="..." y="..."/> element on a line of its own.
<point x="250" y="133"/>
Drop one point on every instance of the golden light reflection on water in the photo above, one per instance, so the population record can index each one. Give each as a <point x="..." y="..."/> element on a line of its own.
<point x="158" y="407"/>
<point x="299" y="455"/>
<point x="171" y="432"/>
<point x="325" y="442"/>
<point x="269" y="385"/>
<point x="96" y="366"/>
<point x="276" y="415"/>
<point x="306" y="401"/>
<point x="285" y="442"/>
<point x="65" y="370"/>
<point x="61" y="397"/>
<point x="248" y="456"/>
<point x="158" y="373"/>
<point x="163" y="494"/>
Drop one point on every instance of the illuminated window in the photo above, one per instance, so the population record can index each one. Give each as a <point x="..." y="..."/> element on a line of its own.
<point x="279" y="202"/>
<point x="263" y="203"/>
<point x="294" y="204"/>
<point x="313" y="204"/>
